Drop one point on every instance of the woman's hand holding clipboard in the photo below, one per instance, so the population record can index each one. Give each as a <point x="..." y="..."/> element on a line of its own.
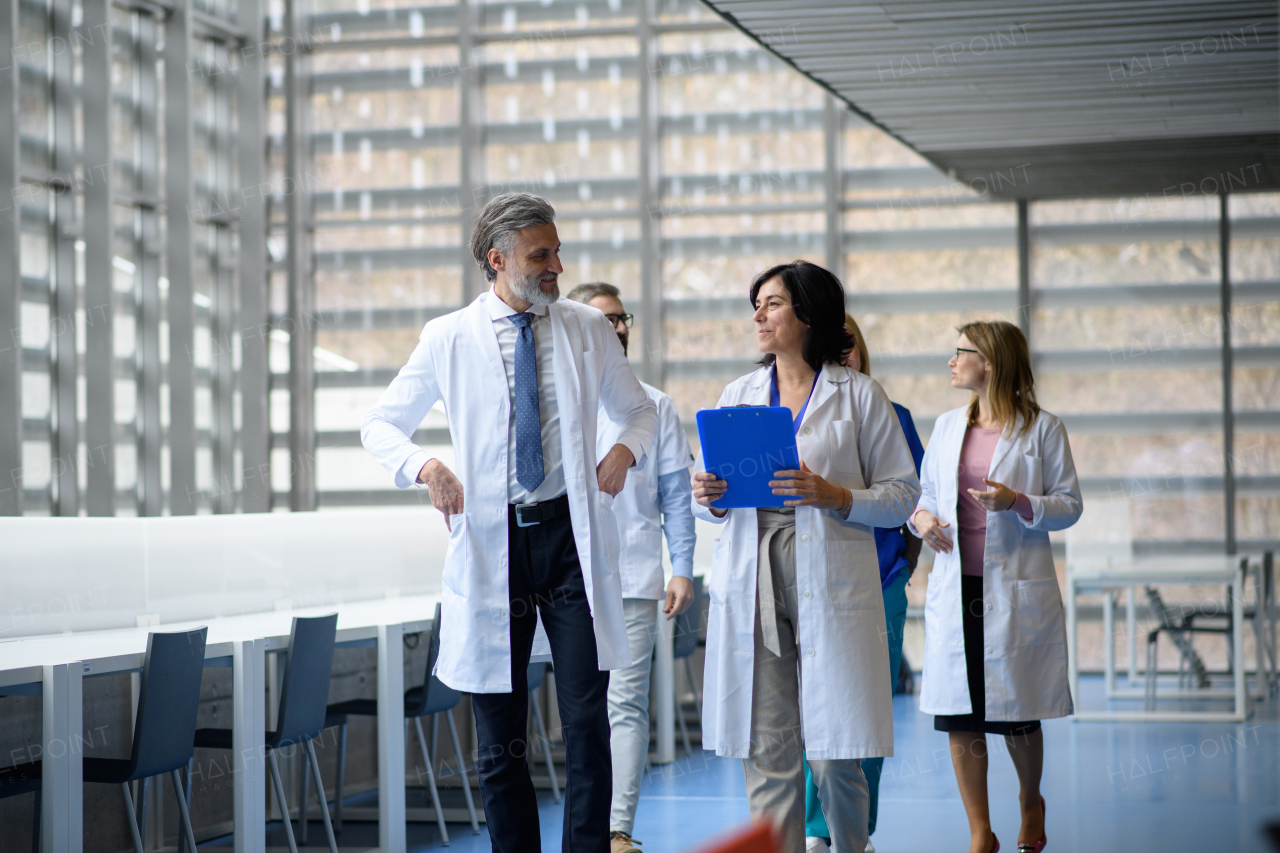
<point x="752" y="460"/>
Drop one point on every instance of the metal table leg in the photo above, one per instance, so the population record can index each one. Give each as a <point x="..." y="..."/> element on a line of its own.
<point x="248" y="732"/>
<point x="391" y="740"/>
<point x="62" y="788"/>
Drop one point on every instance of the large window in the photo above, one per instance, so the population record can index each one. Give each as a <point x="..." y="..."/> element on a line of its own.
<point x="139" y="385"/>
<point x="682" y="159"/>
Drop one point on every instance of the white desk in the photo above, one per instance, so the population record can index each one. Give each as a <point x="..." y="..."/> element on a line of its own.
<point x="1096" y="577"/>
<point x="59" y="663"/>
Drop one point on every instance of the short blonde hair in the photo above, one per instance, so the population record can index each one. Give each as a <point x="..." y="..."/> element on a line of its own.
<point x="1011" y="389"/>
<point x="859" y="343"/>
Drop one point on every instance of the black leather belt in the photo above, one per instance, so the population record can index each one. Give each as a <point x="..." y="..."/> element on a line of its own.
<point x="527" y="515"/>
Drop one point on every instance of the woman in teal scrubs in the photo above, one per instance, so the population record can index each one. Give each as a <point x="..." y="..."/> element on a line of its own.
<point x="897" y="550"/>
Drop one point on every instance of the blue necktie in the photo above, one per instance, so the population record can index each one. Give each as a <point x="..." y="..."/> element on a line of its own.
<point x="529" y="472"/>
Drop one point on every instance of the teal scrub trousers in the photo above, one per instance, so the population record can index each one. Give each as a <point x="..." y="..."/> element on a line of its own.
<point x="895" y="620"/>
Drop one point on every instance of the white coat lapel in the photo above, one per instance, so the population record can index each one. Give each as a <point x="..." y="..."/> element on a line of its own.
<point x="755" y="392"/>
<point x="485" y="337"/>
<point x="949" y="464"/>
<point x="1003" y="446"/>
<point x="830" y="378"/>
<point x="565" y="332"/>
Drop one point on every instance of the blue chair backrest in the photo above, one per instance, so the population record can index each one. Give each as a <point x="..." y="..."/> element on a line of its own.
<point x="689" y="623"/>
<point x="169" y="697"/>
<point x="305" y="693"/>
<point x="537" y="673"/>
<point x="437" y="696"/>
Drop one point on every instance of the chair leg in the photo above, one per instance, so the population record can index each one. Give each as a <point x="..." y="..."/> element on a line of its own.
<point x="546" y="746"/>
<point x="431" y="782"/>
<point x="140" y="807"/>
<point x="185" y="792"/>
<point x="324" y="803"/>
<point x="274" y="767"/>
<point x="304" y="793"/>
<point x="191" y="763"/>
<point x="435" y="736"/>
<point x="133" y="818"/>
<point x="184" y="815"/>
<point x="684" y="730"/>
<point x="693" y="685"/>
<point x="1149" y="695"/>
<point x="342" y="775"/>
<point x="37" y="828"/>
<point x="462" y="768"/>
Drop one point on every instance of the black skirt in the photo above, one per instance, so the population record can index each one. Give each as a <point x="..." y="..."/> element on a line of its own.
<point x="971" y="596"/>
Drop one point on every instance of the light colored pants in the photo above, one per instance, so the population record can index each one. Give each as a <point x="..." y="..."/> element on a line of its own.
<point x="629" y="712"/>
<point x="775" y="768"/>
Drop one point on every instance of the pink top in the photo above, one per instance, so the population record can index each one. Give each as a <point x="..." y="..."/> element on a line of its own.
<point x="971" y="519"/>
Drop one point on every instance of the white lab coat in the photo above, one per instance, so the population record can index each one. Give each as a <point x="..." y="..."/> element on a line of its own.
<point x="1025" y="660"/>
<point x="851" y="436"/>
<point x="458" y="359"/>
<point x="636" y="506"/>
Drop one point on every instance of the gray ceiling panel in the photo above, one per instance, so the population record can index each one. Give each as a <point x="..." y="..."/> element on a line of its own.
<point x="1098" y="98"/>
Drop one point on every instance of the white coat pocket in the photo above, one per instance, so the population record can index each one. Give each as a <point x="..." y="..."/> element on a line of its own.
<point x="1032" y="475"/>
<point x="853" y="574"/>
<point x="455" y="563"/>
<point x="591" y="369"/>
<point x="719" y="571"/>
<point x="844" y="448"/>
<point x="1037" y="612"/>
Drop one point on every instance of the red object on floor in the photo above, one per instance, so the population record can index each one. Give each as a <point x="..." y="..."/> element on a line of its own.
<point x="759" y="838"/>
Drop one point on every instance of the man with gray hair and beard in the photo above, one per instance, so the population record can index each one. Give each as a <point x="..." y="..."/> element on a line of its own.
<point x="532" y="536"/>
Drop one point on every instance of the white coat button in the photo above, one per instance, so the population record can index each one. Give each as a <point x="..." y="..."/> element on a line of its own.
<point x="808" y="594"/>
<point x="811" y="651"/>
<point x="988" y="650"/>
<point x="804" y="537"/>
<point x="806" y="430"/>
<point x="990" y="608"/>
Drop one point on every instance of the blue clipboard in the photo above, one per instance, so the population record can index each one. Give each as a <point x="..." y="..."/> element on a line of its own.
<point x="744" y="446"/>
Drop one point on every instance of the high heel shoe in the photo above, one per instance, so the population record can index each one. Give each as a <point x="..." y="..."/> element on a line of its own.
<point x="1044" y="837"/>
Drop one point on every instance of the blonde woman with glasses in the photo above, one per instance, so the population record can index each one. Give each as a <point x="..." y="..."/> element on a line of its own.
<point x="997" y="477"/>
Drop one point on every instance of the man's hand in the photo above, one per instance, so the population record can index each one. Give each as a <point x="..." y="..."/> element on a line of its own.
<point x="679" y="597"/>
<point x="445" y="489"/>
<point x="611" y="473"/>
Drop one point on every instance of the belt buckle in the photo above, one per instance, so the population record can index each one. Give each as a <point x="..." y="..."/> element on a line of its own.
<point x="520" y="522"/>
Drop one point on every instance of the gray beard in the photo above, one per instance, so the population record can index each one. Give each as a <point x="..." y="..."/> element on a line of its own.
<point x="530" y="289"/>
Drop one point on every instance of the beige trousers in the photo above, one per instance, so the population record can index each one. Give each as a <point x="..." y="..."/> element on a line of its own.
<point x="775" y="768"/>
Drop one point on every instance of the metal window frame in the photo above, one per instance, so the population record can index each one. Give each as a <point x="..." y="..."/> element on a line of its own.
<point x="11" y="497"/>
<point x="301" y="284"/>
<point x="99" y="273"/>
<point x="180" y="243"/>
<point x="255" y="428"/>
<point x="64" y="298"/>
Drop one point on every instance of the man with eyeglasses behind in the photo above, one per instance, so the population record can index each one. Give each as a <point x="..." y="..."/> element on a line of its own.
<point x="654" y="500"/>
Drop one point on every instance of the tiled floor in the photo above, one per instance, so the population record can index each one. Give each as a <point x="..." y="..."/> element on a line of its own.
<point x="1132" y="787"/>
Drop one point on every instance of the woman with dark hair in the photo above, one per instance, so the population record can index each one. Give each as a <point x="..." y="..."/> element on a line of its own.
<point x="997" y="476"/>
<point x="796" y="637"/>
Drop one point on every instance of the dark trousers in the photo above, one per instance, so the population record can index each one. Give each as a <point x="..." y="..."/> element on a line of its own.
<point x="545" y="577"/>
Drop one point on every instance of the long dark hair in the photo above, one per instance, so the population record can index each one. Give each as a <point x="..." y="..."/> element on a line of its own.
<point x="817" y="298"/>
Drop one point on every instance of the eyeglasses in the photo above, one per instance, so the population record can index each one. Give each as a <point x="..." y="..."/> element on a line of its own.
<point x="962" y="349"/>
<point x="625" y="319"/>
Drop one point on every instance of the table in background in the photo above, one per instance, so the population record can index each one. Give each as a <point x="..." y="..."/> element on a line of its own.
<point x="1105" y="578"/>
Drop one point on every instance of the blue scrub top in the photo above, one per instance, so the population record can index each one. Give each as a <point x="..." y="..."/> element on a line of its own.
<point x="891" y="545"/>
